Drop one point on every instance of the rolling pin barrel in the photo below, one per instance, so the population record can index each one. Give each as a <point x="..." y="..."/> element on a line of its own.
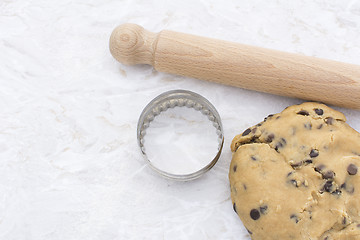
<point x="239" y="65"/>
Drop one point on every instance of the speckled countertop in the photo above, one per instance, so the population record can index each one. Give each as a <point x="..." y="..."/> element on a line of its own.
<point x="70" y="167"/>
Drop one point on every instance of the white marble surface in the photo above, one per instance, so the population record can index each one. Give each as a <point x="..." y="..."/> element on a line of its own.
<point x="70" y="167"/>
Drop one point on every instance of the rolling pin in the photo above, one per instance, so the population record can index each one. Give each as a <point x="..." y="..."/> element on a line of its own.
<point x="239" y="65"/>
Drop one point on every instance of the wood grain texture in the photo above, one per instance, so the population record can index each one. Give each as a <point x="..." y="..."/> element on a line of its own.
<point x="241" y="65"/>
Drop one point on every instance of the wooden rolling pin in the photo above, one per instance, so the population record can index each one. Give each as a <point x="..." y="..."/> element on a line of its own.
<point x="239" y="65"/>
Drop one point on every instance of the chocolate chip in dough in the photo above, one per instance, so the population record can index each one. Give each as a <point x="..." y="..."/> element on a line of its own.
<point x="349" y="189"/>
<point x="308" y="161"/>
<point x="253" y="139"/>
<point x="280" y="144"/>
<point x="319" y="111"/>
<point x="314" y="153"/>
<point x="336" y="192"/>
<point x="296" y="165"/>
<point x="268" y="117"/>
<point x="294" y="182"/>
<point x="294" y="217"/>
<point x="234" y="168"/>
<point x="246" y="132"/>
<point x="303" y="112"/>
<point x="327" y="186"/>
<point x="250" y="232"/>
<point x="254" y="214"/>
<point x="234" y="207"/>
<point x="328" y="175"/>
<point x="329" y="120"/>
<point x="270" y="137"/>
<point x="263" y="209"/>
<point x="253" y="158"/>
<point x="319" y="168"/>
<point x="352" y="169"/>
<point x="320" y="126"/>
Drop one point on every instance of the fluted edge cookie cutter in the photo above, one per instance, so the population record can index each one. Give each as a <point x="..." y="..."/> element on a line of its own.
<point x="172" y="99"/>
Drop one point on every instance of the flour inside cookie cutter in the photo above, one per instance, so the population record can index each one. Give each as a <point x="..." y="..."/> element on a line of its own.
<point x="174" y="104"/>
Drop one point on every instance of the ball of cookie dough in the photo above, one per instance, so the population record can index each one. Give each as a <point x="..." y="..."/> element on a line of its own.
<point x="295" y="176"/>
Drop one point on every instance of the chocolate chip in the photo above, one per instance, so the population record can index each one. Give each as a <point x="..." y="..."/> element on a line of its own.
<point x="308" y="126"/>
<point x="246" y="132"/>
<point x="336" y="192"/>
<point x="253" y="139"/>
<point x="328" y="175"/>
<point x="294" y="182"/>
<point x="327" y="186"/>
<point x="234" y="168"/>
<point x="283" y="140"/>
<point x="319" y="111"/>
<point x="294" y="217"/>
<point x="277" y="117"/>
<point x="253" y="158"/>
<point x="278" y="145"/>
<point x="319" y="168"/>
<point x="320" y="126"/>
<point x="268" y="117"/>
<point x="258" y="125"/>
<point x="245" y="187"/>
<point x="290" y="173"/>
<point x="352" y="169"/>
<point x="329" y="120"/>
<point x="350" y="190"/>
<point x="296" y="165"/>
<point x="234" y="207"/>
<point x="254" y="130"/>
<point x="344" y="221"/>
<point x="270" y="137"/>
<point x="263" y="209"/>
<point x="303" y="112"/>
<point x="250" y="232"/>
<point x="308" y="161"/>
<point x="255" y="214"/>
<point x="314" y="153"/>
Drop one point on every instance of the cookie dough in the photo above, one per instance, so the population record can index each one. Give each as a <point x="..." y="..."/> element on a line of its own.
<point x="295" y="176"/>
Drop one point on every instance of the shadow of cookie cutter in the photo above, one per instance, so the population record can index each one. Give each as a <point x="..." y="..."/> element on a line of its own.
<point x="179" y="98"/>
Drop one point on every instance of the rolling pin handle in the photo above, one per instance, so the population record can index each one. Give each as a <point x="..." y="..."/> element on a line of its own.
<point x="131" y="44"/>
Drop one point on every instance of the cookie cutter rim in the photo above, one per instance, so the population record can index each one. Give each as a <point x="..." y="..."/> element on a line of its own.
<point x="172" y="99"/>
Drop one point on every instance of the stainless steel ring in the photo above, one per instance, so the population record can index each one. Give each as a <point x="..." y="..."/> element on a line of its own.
<point x="179" y="98"/>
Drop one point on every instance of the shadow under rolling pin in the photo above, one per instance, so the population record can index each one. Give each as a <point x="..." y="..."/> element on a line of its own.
<point x="239" y="65"/>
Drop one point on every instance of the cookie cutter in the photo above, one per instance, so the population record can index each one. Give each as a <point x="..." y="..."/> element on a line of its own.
<point x="172" y="99"/>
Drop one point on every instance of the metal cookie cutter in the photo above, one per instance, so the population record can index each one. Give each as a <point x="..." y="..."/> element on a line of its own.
<point x="172" y="99"/>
